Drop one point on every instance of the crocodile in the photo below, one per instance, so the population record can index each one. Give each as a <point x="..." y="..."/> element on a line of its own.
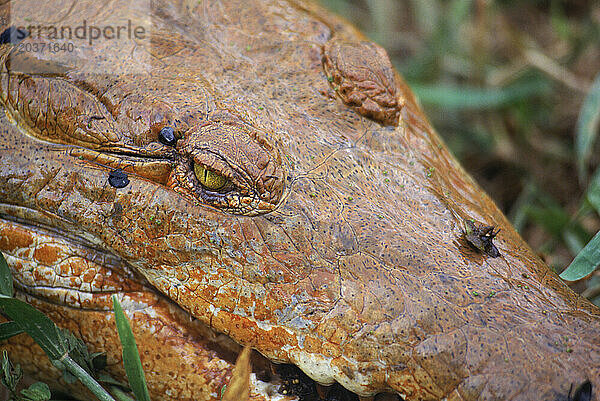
<point x="268" y="180"/>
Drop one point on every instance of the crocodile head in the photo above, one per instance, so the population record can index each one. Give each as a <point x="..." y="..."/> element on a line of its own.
<point x="271" y="175"/>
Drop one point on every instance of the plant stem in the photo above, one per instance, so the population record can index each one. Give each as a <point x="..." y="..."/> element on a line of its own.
<point x="120" y="395"/>
<point x="86" y="379"/>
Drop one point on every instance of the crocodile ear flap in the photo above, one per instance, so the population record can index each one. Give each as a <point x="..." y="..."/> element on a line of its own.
<point x="362" y="75"/>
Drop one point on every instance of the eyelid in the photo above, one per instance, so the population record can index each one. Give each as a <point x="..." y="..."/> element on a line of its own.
<point x="219" y="165"/>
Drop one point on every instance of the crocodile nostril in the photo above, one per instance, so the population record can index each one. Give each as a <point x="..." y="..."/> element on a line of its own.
<point x="166" y="136"/>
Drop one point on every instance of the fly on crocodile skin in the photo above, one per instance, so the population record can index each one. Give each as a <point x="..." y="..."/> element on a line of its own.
<point x="480" y="237"/>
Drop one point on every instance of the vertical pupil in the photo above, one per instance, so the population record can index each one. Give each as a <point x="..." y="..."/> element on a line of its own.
<point x="209" y="179"/>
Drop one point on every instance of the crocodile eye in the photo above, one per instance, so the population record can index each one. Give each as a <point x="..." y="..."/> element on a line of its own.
<point x="209" y="170"/>
<point x="209" y="179"/>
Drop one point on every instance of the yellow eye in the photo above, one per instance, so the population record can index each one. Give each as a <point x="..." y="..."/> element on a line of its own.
<point x="209" y="179"/>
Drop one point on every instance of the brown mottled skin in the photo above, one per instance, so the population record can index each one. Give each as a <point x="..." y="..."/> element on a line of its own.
<point x="338" y="245"/>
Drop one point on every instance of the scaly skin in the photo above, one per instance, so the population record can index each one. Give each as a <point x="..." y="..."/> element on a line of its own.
<point x="339" y="246"/>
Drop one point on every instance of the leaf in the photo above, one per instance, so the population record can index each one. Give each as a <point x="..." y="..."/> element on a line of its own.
<point x="68" y="363"/>
<point x="38" y="391"/>
<point x="131" y="357"/>
<point x="11" y="375"/>
<point x="52" y="340"/>
<point x="6" y="282"/>
<point x="36" y="324"/>
<point x="465" y="97"/>
<point x="585" y="262"/>
<point x="587" y="127"/>
<point x="593" y="191"/>
<point x="9" y="329"/>
<point x="238" y="388"/>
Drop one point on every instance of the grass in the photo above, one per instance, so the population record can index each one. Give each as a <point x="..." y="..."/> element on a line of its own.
<point x="65" y="351"/>
<point x="513" y="87"/>
<point x="71" y="356"/>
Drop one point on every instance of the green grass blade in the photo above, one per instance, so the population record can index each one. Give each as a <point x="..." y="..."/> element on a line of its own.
<point x="585" y="262"/>
<point x="119" y="394"/>
<point x="593" y="191"/>
<point x="36" y="324"/>
<point x="459" y="12"/>
<point x="518" y="214"/>
<point x="92" y="385"/>
<point x="587" y="127"/>
<point x="6" y="284"/>
<point x="9" y="329"/>
<point x="426" y="15"/>
<point x="464" y="97"/>
<point x="131" y="357"/>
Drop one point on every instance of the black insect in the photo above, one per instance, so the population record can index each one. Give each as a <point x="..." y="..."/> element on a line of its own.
<point x="166" y="136"/>
<point x="118" y="178"/>
<point x="13" y="35"/>
<point x="480" y="237"/>
<point x="582" y="393"/>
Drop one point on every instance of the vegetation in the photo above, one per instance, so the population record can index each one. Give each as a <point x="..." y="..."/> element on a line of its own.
<point x="66" y="352"/>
